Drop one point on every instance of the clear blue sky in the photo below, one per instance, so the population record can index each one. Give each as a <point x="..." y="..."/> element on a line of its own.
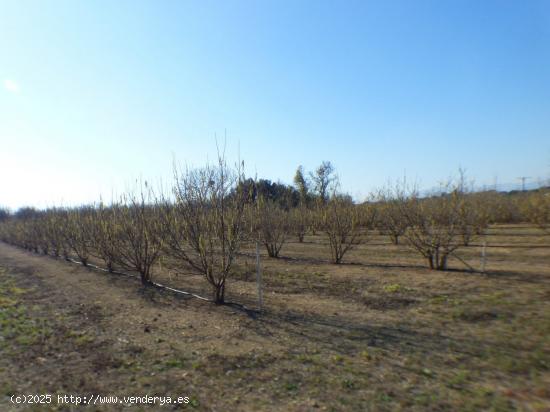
<point x="97" y="93"/>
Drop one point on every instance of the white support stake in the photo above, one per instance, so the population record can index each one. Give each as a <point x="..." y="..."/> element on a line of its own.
<point x="483" y="256"/>
<point x="259" y="276"/>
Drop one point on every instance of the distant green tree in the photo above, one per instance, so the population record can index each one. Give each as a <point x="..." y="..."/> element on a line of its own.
<point x="322" y="179"/>
<point x="4" y="214"/>
<point x="302" y="185"/>
<point x="285" y="196"/>
<point x="26" y="212"/>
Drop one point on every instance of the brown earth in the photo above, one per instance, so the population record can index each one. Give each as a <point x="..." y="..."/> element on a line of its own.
<point x="379" y="332"/>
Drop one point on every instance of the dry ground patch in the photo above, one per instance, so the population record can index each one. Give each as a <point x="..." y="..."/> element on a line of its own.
<point x="379" y="332"/>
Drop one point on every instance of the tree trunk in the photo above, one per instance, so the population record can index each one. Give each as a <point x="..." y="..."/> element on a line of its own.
<point x="272" y="251"/>
<point x="145" y="278"/>
<point x="442" y="264"/>
<point x="219" y="294"/>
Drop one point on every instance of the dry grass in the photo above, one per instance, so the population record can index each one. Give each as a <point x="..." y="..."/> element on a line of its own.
<point x="379" y="332"/>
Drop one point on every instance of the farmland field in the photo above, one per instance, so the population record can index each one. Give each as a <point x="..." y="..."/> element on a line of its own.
<point x="379" y="332"/>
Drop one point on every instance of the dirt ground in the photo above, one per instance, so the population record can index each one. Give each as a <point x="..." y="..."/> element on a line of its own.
<point x="380" y="332"/>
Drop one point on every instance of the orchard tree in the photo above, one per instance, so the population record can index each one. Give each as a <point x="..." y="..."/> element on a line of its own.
<point x="473" y="217"/>
<point x="273" y="226"/>
<point x="341" y="221"/>
<point x="391" y="220"/>
<point x="537" y="209"/>
<point x="206" y="226"/>
<point x="78" y="224"/>
<point x="138" y="239"/>
<point x="435" y="225"/>
<point x="56" y="227"/>
<point x="104" y="234"/>
<point x="300" y="221"/>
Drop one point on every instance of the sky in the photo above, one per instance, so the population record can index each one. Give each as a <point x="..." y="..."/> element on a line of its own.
<point x="96" y="94"/>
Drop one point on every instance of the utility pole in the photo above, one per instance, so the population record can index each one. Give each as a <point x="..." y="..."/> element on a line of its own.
<point x="523" y="179"/>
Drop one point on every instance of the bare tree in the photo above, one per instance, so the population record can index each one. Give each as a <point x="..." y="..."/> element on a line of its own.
<point x="43" y="235"/>
<point x="104" y="234"/>
<point x="207" y="225"/>
<point x="300" y="221"/>
<point x="138" y="238"/>
<point x="55" y="222"/>
<point x="435" y="225"/>
<point x="537" y="209"/>
<point x="473" y="217"/>
<point x="272" y="224"/>
<point x="341" y="221"/>
<point x="391" y="220"/>
<point x="78" y="223"/>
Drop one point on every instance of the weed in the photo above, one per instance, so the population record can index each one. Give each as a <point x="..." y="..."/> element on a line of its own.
<point x="393" y="288"/>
